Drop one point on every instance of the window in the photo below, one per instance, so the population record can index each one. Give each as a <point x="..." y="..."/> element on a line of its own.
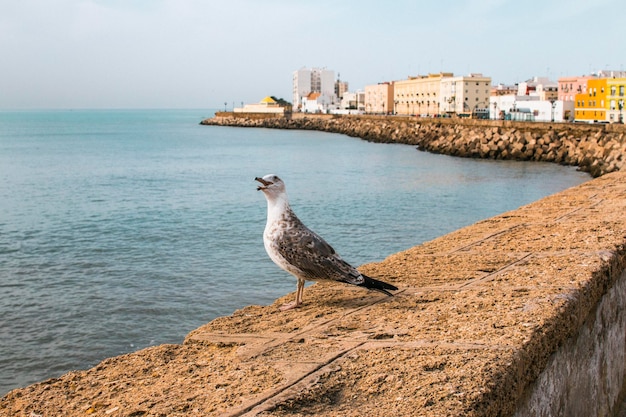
<point x="621" y="90"/>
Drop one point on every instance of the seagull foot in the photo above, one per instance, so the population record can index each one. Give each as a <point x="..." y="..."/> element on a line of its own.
<point x="289" y="306"/>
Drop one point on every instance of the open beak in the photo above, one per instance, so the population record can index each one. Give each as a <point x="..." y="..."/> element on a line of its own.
<point x="262" y="181"/>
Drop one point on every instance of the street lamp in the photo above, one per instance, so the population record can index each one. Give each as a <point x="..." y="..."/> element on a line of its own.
<point x="553" y="106"/>
<point x="620" y="106"/>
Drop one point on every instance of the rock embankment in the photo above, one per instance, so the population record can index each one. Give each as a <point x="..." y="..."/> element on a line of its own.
<point x="594" y="149"/>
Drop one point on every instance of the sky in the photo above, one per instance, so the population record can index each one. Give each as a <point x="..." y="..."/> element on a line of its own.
<point x="70" y="54"/>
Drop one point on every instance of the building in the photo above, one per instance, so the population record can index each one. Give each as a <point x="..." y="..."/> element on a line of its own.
<point x="465" y="95"/>
<point x="313" y="103"/>
<point x="592" y="106"/>
<point x="313" y="80"/>
<point x="603" y="101"/>
<point x="599" y="97"/>
<point x="503" y="90"/>
<point x="615" y="99"/>
<point x="418" y="95"/>
<point x="351" y="103"/>
<point x="379" y="98"/>
<point x="267" y="105"/>
<point x="529" y="109"/>
<point x="610" y="74"/>
<point x="568" y="87"/>
<point x="534" y="100"/>
<point x="541" y="87"/>
<point x="340" y="87"/>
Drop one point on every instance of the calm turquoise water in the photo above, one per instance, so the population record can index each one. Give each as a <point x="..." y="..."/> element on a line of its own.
<point x="124" y="229"/>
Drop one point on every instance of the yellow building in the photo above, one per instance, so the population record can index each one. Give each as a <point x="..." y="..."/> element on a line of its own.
<point x="419" y="95"/>
<point x="267" y="105"/>
<point x="379" y="98"/>
<point x="592" y="105"/>
<point x="615" y="98"/>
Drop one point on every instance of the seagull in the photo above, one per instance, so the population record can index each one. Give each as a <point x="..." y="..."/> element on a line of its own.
<point x="300" y="251"/>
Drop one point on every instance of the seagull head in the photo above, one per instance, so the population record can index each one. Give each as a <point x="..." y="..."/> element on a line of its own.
<point x="271" y="185"/>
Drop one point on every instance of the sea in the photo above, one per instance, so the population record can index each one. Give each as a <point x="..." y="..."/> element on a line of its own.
<point x="124" y="229"/>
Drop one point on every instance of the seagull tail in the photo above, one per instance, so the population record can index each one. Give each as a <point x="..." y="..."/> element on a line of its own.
<point x="374" y="284"/>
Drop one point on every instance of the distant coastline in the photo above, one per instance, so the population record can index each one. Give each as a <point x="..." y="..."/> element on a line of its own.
<point x="596" y="149"/>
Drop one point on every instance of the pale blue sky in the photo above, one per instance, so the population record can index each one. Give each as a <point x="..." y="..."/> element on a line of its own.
<point x="201" y="53"/>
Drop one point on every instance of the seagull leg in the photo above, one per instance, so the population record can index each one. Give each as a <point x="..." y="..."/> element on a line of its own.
<point x="299" y="292"/>
<point x="298" y="302"/>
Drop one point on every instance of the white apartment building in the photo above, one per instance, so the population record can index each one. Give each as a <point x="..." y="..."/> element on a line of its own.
<point x="467" y="94"/>
<point x="379" y="98"/>
<point x="530" y="108"/>
<point x="353" y="101"/>
<point x="541" y="87"/>
<point x="534" y="100"/>
<point x="313" y="80"/>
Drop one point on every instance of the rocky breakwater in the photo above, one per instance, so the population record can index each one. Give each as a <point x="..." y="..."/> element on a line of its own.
<point x="597" y="149"/>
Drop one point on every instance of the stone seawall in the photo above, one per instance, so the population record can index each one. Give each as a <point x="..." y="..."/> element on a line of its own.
<point x="522" y="314"/>
<point x="597" y="149"/>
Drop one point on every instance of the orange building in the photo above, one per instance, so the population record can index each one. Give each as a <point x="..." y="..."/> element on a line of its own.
<point x="592" y="106"/>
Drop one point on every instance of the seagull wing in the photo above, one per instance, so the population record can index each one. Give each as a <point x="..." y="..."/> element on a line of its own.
<point x="311" y="254"/>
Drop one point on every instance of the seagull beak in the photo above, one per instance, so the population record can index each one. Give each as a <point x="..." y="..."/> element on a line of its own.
<point x="262" y="181"/>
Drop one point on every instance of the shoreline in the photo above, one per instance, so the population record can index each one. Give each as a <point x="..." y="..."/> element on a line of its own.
<point x="596" y="149"/>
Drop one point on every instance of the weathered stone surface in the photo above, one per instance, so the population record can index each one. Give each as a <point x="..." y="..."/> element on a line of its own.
<point x="590" y="366"/>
